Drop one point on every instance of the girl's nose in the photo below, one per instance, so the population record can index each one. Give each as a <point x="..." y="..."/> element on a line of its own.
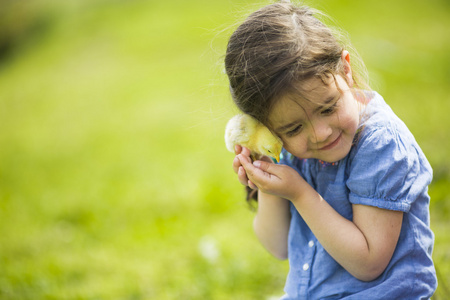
<point x="320" y="132"/>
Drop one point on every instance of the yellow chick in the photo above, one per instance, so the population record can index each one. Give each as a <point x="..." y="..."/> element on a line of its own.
<point x="248" y="132"/>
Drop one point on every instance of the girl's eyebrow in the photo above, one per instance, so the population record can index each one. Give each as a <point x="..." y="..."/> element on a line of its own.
<point x="284" y="127"/>
<point x="325" y="103"/>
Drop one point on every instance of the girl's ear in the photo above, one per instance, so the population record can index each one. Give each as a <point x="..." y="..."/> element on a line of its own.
<point x="347" y="68"/>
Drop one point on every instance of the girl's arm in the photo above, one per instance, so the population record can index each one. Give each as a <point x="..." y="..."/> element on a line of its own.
<point x="363" y="246"/>
<point x="271" y="223"/>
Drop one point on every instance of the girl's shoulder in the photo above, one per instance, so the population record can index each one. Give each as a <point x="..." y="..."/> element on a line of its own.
<point x="378" y="114"/>
<point x="386" y="162"/>
<point x="380" y="126"/>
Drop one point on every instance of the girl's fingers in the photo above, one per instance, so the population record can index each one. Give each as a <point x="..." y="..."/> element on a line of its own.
<point x="237" y="149"/>
<point x="236" y="164"/>
<point x="245" y="152"/>
<point x="258" y="171"/>
<point x="251" y="185"/>
<point x="249" y="168"/>
<point x="240" y="150"/>
<point x="242" y="176"/>
<point x="265" y="166"/>
<point x="242" y="155"/>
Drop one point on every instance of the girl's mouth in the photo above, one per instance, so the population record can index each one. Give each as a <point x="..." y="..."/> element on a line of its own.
<point x="332" y="144"/>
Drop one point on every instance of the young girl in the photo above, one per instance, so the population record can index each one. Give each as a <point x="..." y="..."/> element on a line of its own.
<point x="348" y="203"/>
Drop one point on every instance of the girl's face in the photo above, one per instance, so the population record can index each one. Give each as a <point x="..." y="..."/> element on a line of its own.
<point x="322" y="126"/>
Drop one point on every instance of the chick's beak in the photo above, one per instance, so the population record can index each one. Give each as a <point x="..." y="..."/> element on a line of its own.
<point x="278" y="158"/>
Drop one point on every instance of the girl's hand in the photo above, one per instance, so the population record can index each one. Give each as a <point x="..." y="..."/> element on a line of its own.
<point x="279" y="180"/>
<point x="238" y="168"/>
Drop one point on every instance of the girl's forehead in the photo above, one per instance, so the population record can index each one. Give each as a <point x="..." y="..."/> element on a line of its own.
<point x="314" y="88"/>
<point x="306" y="97"/>
<point x="309" y="94"/>
<point x="284" y="111"/>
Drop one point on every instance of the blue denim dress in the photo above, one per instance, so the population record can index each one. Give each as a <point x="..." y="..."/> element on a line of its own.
<point x="387" y="169"/>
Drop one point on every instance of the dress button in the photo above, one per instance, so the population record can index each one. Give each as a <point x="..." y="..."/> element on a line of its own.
<point x="305" y="267"/>
<point x="311" y="244"/>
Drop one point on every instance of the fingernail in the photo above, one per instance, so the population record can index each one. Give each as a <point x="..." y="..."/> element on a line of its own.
<point x="257" y="163"/>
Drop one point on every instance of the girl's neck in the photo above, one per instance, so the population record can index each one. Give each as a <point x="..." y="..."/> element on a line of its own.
<point x="363" y="98"/>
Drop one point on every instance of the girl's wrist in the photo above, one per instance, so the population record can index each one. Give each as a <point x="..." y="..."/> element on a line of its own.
<point x="306" y="198"/>
<point x="302" y="191"/>
<point x="262" y="196"/>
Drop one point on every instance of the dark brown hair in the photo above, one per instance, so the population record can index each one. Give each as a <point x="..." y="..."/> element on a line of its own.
<point x="277" y="47"/>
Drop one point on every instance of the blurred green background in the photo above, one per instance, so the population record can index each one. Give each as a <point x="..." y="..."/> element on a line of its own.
<point x="114" y="178"/>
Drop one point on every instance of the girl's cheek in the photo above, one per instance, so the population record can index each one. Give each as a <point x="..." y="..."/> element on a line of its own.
<point x="294" y="145"/>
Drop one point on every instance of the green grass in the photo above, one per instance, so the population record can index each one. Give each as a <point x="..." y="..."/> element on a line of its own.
<point x="114" y="179"/>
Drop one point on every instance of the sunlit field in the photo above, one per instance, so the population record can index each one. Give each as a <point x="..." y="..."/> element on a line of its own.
<point x="115" y="182"/>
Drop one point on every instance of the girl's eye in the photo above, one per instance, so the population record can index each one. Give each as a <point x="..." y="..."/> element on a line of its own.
<point x="329" y="110"/>
<point x="294" y="131"/>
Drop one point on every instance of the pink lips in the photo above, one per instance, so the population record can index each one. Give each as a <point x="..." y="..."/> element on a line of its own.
<point x="332" y="144"/>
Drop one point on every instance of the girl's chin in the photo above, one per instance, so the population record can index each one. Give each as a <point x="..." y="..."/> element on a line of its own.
<point x="337" y="154"/>
<point x="333" y="155"/>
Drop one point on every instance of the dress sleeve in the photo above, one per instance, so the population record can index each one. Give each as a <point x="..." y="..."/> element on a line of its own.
<point x="388" y="170"/>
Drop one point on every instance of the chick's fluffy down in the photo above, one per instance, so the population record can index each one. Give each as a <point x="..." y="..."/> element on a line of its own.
<point x="246" y="131"/>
